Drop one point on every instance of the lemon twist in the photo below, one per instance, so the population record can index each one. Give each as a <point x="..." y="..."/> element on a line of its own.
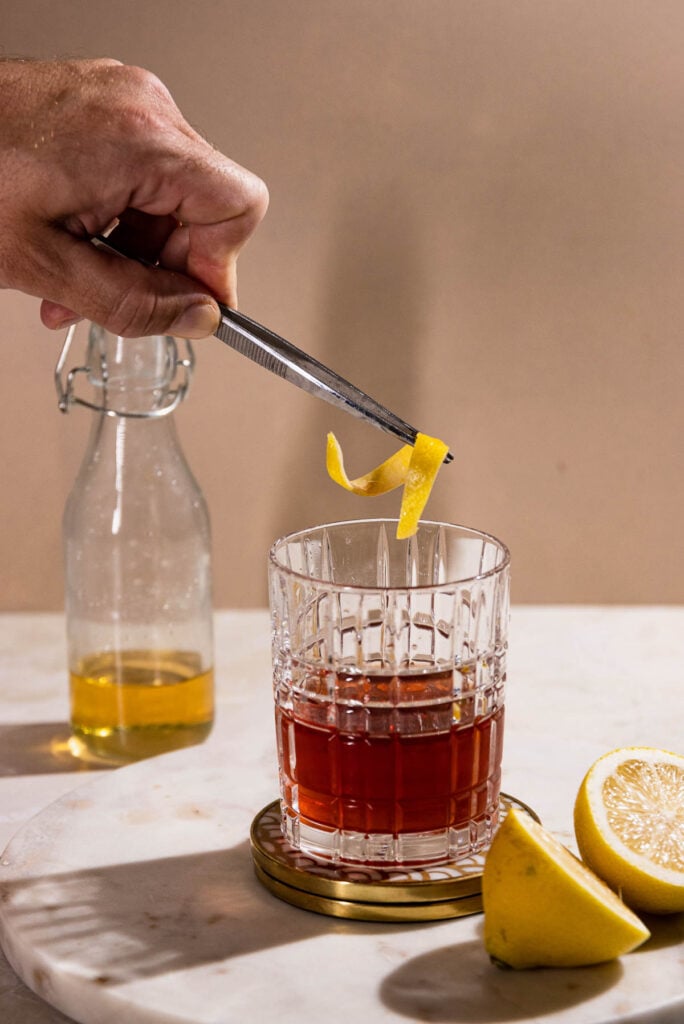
<point x="414" y="467"/>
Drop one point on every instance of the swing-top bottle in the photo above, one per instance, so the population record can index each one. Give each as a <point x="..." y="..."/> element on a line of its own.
<point x="137" y="560"/>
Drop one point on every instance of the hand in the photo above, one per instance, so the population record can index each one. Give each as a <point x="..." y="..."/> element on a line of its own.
<point x="87" y="144"/>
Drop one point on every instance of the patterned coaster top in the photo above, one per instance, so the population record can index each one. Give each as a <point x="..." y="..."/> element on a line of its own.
<point x="360" y="882"/>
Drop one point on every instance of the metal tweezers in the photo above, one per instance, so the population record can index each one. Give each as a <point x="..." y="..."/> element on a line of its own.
<point x="281" y="357"/>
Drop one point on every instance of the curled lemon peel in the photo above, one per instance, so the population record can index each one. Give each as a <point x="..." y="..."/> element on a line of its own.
<point x="385" y="477"/>
<point x="413" y="466"/>
<point x="426" y="458"/>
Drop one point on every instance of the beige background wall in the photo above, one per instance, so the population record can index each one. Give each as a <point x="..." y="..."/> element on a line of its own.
<point x="476" y="214"/>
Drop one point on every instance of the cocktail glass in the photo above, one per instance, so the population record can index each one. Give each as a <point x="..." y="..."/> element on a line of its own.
<point x="389" y="662"/>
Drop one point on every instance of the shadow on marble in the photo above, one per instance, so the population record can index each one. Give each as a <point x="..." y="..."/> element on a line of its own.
<point x="122" y="922"/>
<point x="39" y="748"/>
<point x="667" y="930"/>
<point x="459" y="984"/>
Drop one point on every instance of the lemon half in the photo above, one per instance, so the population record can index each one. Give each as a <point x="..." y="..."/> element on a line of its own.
<point x="629" y="824"/>
<point x="544" y="908"/>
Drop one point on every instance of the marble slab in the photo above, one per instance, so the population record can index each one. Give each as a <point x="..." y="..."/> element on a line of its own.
<point x="132" y="897"/>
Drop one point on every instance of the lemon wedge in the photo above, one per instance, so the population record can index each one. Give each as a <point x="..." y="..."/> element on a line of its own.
<point x="413" y="466"/>
<point x="544" y="908"/>
<point x="629" y="825"/>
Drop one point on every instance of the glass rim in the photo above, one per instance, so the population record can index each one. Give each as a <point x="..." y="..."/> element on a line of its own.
<point x="356" y="587"/>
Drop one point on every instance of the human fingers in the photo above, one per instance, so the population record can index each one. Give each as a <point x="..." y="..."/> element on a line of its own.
<point x="57" y="317"/>
<point x="192" y="246"/>
<point x="136" y="234"/>
<point x="133" y="151"/>
<point x="142" y="235"/>
<point x="205" y="251"/>
<point x="192" y="211"/>
<point x="168" y="169"/>
<point x="123" y="296"/>
<point x="217" y="206"/>
<point x="214" y="246"/>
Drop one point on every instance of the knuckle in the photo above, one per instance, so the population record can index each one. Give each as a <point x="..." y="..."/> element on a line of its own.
<point x="259" y="196"/>
<point x="103" y="63"/>
<point x="253" y="202"/>
<point x="245" y="194"/>
<point x="145" y="84"/>
<point x="143" y="107"/>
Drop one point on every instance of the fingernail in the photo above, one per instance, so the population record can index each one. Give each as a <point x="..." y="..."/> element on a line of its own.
<point x="68" y="321"/>
<point x="197" y="321"/>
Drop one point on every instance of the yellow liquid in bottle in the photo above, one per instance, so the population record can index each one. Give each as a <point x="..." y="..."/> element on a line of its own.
<point x="126" y="705"/>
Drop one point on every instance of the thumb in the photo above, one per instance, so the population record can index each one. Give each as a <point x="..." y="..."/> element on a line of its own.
<point x="121" y="295"/>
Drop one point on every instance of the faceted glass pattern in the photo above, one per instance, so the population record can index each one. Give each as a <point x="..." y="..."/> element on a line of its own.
<point x="389" y="672"/>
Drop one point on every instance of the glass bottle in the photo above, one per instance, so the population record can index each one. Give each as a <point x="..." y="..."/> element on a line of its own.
<point x="137" y="560"/>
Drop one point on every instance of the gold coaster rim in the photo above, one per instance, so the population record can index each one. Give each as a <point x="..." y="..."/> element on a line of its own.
<point x="306" y="877"/>
<point x="358" y="910"/>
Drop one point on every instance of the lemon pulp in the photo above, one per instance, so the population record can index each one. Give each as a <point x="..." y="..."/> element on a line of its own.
<point x="629" y="824"/>
<point x="644" y="807"/>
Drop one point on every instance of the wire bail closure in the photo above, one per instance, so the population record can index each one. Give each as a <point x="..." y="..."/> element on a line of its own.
<point x="178" y="388"/>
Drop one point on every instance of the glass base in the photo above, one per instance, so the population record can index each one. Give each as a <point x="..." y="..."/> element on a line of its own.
<point x="122" y="746"/>
<point x="371" y="892"/>
<point x="338" y="846"/>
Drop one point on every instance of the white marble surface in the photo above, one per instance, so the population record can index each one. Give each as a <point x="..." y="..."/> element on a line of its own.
<point x="155" y="914"/>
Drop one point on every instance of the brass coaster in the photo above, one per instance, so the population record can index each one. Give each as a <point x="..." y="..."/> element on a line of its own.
<point x="364" y="892"/>
<point x="358" y="911"/>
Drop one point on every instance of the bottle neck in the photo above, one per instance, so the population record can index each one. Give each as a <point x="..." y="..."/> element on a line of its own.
<point x="131" y="376"/>
<point x="133" y="471"/>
